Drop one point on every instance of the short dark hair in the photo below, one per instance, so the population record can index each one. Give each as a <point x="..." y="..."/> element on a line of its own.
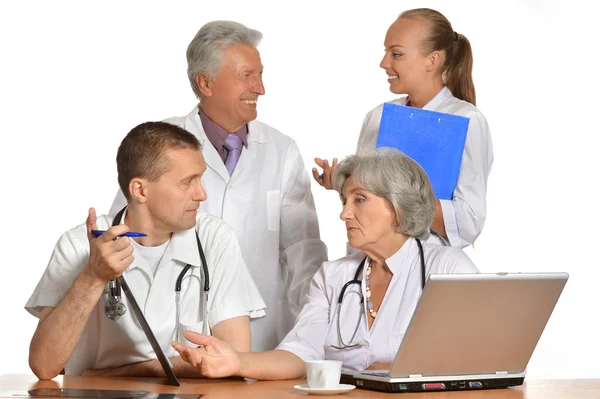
<point x="142" y="152"/>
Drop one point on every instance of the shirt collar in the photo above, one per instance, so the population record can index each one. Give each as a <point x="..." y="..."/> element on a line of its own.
<point x="403" y="257"/>
<point x="217" y="135"/>
<point x="192" y="123"/>
<point x="439" y="98"/>
<point x="182" y="247"/>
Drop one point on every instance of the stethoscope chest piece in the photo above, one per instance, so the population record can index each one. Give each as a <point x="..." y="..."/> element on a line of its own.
<point x="114" y="309"/>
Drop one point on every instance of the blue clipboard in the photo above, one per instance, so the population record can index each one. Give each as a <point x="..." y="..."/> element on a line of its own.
<point x="434" y="139"/>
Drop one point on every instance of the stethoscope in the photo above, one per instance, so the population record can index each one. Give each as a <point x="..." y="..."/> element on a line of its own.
<point x="355" y="280"/>
<point x="115" y="308"/>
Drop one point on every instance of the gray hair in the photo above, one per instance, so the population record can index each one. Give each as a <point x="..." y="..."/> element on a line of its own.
<point x="394" y="176"/>
<point x="205" y="51"/>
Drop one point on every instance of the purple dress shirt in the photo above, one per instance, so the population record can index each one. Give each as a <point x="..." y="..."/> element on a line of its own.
<point x="217" y="135"/>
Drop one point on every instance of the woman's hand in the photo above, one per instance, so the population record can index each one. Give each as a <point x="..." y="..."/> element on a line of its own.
<point x="214" y="359"/>
<point x="324" y="179"/>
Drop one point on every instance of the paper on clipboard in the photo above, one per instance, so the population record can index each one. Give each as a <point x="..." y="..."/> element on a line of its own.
<point x="435" y="140"/>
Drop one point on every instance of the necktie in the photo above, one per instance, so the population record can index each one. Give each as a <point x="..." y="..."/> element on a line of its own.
<point x="233" y="144"/>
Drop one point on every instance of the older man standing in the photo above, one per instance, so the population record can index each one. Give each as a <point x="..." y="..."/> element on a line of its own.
<point x="256" y="178"/>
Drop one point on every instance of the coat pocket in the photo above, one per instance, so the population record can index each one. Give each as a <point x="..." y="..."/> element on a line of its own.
<point x="273" y="209"/>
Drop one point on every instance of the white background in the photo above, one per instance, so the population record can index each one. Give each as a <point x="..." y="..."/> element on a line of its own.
<point x="75" y="78"/>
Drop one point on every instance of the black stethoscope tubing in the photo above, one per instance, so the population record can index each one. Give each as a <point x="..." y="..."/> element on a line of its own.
<point x="185" y="269"/>
<point x="115" y="289"/>
<point x="355" y="280"/>
<point x="360" y="268"/>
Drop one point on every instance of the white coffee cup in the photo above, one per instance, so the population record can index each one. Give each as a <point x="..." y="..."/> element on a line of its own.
<point x="323" y="373"/>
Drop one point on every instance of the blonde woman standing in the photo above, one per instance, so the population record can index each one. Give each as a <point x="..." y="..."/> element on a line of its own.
<point x="431" y="64"/>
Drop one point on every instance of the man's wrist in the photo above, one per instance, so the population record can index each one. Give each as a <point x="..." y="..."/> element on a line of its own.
<point x="148" y="368"/>
<point x="242" y="366"/>
<point x="155" y="368"/>
<point x="88" y="285"/>
<point x="91" y="279"/>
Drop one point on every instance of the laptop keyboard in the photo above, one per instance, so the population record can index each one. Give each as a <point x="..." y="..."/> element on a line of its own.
<point x="384" y="374"/>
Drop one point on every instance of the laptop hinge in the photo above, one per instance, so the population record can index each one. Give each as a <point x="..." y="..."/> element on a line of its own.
<point x="415" y="375"/>
<point x="503" y="372"/>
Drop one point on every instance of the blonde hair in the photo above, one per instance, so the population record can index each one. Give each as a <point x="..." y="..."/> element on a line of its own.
<point x="458" y="64"/>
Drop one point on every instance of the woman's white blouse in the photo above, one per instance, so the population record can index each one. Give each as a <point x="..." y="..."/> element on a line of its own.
<point x="465" y="214"/>
<point x="315" y="331"/>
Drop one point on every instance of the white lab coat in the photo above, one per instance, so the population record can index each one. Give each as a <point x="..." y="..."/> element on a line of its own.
<point x="316" y="331"/>
<point x="109" y="343"/>
<point x="268" y="203"/>
<point x="465" y="214"/>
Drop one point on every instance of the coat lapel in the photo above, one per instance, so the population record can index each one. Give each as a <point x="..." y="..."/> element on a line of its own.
<point x="211" y="156"/>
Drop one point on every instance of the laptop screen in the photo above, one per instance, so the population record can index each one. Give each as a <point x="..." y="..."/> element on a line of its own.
<point x="477" y="323"/>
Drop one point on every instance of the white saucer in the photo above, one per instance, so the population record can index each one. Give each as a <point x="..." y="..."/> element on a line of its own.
<point x="340" y="388"/>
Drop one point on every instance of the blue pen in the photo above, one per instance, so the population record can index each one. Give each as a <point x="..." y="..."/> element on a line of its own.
<point x="98" y="233"/>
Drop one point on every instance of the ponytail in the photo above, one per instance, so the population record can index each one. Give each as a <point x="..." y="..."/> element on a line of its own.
<point x="459" y="78"/>
<point x="458" y="63"/>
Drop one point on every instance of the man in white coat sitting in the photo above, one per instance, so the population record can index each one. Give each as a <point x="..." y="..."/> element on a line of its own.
<point x="159" y="166"/>
<point x="255" y="176"/>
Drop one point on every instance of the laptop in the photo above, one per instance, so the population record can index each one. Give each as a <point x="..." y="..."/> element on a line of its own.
<point x="469" y="332"/>
<point x="137" y="313"/>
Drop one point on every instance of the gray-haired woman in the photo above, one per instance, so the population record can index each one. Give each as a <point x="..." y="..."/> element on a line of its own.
<point x="388" y="206"/>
